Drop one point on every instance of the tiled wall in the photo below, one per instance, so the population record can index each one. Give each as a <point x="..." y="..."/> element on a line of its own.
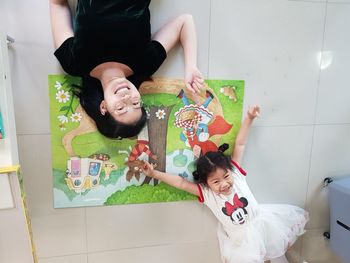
<point x="301" y="138"/>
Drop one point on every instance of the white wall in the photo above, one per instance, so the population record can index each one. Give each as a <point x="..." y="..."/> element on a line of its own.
<point x="301" y="137"/>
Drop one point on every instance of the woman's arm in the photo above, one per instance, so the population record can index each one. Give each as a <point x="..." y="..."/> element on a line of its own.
<point x="173" y="180"/>
<point x="242" y="136"/>
<point x="183" y="29"/>
<point x="61" y="21"/>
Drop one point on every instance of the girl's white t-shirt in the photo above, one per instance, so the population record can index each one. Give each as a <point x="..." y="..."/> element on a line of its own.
<point x="235" y="210"/>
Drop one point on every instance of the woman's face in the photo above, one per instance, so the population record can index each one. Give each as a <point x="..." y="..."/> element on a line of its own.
<point x="122" y="100"/>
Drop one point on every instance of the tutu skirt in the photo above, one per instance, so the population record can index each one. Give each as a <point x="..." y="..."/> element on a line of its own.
<point x="266" y="236"/>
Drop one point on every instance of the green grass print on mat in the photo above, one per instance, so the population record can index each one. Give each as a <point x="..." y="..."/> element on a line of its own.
<point x="63" y="120"/>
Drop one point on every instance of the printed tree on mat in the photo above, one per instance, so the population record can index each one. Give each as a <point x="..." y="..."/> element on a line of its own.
<point x="157" y="133"/>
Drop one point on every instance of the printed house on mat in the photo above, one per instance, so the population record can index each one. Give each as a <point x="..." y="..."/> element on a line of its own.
<point x="83" y="174"/>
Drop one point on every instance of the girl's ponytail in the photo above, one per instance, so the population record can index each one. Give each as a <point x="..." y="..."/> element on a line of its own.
<point x="222" y="148"/>
<point x="195" y="175"/>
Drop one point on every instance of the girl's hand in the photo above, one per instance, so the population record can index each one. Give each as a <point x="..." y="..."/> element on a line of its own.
<point x="194" y="80"/>
<point x="147" y="168"/>
<point x="253" y="112"/>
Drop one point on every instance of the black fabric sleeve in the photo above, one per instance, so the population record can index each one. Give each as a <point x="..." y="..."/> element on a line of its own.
<point x="152" y="59"/>
<point x="65" y="56"/>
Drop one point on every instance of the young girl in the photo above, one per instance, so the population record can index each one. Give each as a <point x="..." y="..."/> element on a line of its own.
<point x="110" y="42"/>
<point x="247" y="232"/>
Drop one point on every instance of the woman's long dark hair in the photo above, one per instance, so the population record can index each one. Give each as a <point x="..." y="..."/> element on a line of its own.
<point x="90" y="94"/>
<point x="208" y="163"/>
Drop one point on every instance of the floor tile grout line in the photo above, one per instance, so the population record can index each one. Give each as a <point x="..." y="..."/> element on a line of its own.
<point x="321" y="2"/>
<point x="86" y="237"/>
<point x="314" y="126"/>
<point x="316" y="105"/>
<point x="127" y="248"/>
<point x="320" y="70"/>
<point x="148" y="246"/>
<point x="262" y="125"/>
<point x="65" y="255"/>
<point x="26" y="134"/>
<point x="209" y="37"/>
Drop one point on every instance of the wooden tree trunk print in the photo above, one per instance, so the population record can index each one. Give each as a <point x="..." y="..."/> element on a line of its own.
<point x="157" y="135"/>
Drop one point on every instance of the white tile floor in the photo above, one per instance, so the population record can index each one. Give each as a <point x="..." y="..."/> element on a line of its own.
<point x="301" y="137"/>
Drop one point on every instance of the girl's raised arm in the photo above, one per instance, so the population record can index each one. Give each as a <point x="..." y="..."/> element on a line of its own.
<point x="173" y="180"/>
<point x="242" y="136"/>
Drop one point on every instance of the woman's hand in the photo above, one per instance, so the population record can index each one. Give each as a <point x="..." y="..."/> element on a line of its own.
<point x="147" y="169"/>
<point x="253" y="112"/>
<point x="193" y="80"/>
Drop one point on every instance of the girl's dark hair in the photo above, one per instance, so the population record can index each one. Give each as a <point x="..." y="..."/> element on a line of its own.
<point x="208" y="163"/>
<point x="90" y="94"/>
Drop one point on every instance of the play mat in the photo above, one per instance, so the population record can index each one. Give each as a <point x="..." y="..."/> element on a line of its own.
<point x="89" y="169"/>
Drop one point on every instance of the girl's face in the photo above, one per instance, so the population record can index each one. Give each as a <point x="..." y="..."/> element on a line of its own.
<point x="220" y="181"/>
<point x="122" y="100"/>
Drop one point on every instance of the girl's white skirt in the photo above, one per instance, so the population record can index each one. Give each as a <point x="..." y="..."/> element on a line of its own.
<point x="264" y="237"/>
